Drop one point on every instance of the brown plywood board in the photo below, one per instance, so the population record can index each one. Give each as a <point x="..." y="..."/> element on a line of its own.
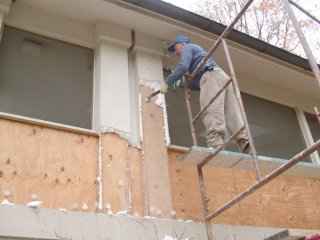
<point x="156" y="169"/>
<point x="58" y="166"/>
<point x="122" y="182"/>
<point x="137" y="191"/>
<point x="288" y="201"/>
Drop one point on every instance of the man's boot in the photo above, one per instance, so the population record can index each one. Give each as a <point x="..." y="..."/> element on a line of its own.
<point x="244" y="145"/>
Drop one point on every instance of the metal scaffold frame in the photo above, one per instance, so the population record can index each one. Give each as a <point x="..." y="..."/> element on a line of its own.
<point x="261" y="181"/>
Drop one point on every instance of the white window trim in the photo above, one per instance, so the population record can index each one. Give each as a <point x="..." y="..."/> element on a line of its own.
<point x="307" y="135"/>
<point x="48" y="124"/>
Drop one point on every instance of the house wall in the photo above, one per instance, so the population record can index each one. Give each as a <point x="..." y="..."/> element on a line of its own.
<point x="117" y="106"/>
<point x="61" y="168"/>
<point x="288" y="201"/>
<point x="44" y="22"/>
<point x="112" y="92"/>
<point x="148" y="62"/>
<point x="122" y="175"/>
<point x="144" y="180"/>
<point x="58" y="166"/>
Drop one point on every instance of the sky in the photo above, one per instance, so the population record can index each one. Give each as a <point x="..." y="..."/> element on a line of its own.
<point x="182" y="3"/>
<point x="187" y="4"/>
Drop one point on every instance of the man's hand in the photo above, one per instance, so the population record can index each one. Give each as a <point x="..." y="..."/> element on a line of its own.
<point x="175" y="84"/>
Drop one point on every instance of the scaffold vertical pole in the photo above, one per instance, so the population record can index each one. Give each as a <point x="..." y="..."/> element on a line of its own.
<point x="236" y="90"/>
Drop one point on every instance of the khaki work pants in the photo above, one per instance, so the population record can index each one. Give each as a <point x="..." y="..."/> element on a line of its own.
<point x="223" y="114"/>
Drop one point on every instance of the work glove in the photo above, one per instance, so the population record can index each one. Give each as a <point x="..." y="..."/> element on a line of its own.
<point x="163" y="88"/>
<point x="175" y="84"/>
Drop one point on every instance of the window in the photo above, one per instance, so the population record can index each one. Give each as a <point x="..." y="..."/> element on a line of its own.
<point x="179" y="129"/>
<point x="314" y="126"/>
<point x="45" y="78"/>
<point x="274" y="127"/>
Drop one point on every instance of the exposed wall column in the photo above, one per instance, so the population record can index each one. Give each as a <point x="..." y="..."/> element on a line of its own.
<point x="4" y="10"/>
<point x="148" y="60"/>
<point x="111" y="81"/>
<point x="112" y="112"/>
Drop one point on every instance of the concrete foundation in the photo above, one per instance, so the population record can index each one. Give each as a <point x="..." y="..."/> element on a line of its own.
<point x="23" y="222"/>
<point x="30" y="223"/>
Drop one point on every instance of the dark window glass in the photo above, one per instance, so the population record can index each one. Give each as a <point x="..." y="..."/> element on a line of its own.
<point x="275" y="127"/>
<point x="314" y="126"/>
<point x="45" y="78"/>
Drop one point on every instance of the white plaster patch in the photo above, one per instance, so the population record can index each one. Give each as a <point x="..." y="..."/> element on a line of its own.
<point x="122" y="134"/>
<point x="167" y="237"/>
<point x="165" y="119"/>
<point x="34" y="204"/>
<point x="123" y="213"/>
<point x="153" y="84"/>
<point x="99" y="177"/>
<point x="140" y="117"/>
<point x="6" y="202"/>
<point x="160" y="101"/>
<point x="84" y="207"/>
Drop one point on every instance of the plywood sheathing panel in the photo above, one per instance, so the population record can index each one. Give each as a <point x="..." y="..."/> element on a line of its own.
<point x="137" y="190"/>
<point x="288" y="201"/>
<point x="156" y="162"/>
<point x="122" y="175"/>
<point x="58" y="166"/>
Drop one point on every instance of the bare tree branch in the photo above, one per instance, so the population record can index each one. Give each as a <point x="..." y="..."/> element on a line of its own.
<point x="265" y="20"/>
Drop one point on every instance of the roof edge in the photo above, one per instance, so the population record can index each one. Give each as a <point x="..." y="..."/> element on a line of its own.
<point x="195" y="20"/>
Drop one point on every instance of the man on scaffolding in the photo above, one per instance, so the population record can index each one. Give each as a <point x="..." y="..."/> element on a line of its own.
<point x="223" y="114"/>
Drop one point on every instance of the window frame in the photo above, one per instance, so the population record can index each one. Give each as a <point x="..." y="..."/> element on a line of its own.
<point x="50" y="123"/>
<point x="307" y="134"/>
<point x="304" y="129"/>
